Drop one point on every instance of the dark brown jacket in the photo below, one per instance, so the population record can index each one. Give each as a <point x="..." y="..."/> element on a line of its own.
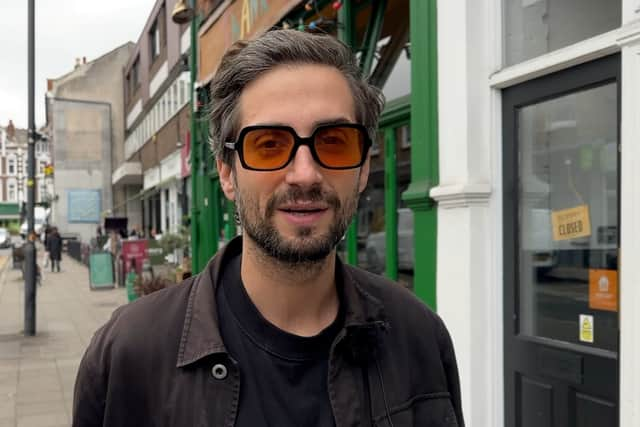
<point x="160" y="360"/>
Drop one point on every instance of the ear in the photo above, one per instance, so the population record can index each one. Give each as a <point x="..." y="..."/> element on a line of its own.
<point x="225" y="172"/>
<point x="364" y="175"/>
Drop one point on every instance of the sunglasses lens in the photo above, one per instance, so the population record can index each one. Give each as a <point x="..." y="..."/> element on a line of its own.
<point x="340" y="146"/>
<point x="266" y="149"/>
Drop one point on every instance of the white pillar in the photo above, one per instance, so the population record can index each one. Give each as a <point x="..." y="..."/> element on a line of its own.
<point x="469" y="269"/>
<point x="630" y="232"/>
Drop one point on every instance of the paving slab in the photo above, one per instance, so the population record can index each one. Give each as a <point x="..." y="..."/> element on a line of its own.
<point x="37" y="374"/>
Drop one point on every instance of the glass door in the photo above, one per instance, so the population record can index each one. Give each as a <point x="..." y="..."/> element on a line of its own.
<point x="561" y="247"/>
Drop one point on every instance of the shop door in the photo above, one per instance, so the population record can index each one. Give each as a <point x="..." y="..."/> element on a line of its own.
<point x="561" y="248"/>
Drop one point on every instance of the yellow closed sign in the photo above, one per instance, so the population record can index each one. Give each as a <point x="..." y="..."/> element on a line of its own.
<point x="571" y="223"/>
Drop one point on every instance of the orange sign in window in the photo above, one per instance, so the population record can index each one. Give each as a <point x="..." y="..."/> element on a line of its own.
<point x="571" y="223"/>
<point x="603" y="289"/>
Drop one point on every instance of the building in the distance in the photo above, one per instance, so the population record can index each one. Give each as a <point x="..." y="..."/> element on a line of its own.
<point x="13" y="172"/>
<point x="85" y="122"/>
<point x="156" y="91"/>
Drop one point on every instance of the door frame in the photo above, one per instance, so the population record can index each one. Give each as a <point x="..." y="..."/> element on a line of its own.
<point x="581" y="77"/>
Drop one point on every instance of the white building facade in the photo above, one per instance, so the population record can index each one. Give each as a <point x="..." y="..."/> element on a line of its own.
<point x="13" y="167"/>
<point x="539" y="122"/>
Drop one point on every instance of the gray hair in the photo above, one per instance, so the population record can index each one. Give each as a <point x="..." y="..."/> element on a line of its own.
<point x="246" y="60"/>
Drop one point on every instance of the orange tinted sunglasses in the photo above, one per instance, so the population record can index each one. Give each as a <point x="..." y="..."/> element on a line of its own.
<point x="269" y="148"/>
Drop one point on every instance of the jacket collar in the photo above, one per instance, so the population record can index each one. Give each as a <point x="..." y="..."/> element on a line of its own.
<point x="201" y="334"/>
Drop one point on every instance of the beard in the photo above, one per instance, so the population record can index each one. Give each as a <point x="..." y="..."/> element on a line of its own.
<point x="304" y="248"/>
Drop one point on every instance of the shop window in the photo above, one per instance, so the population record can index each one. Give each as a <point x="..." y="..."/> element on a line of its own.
<point x="568" y="212"/>
<point x="536" y="27"/>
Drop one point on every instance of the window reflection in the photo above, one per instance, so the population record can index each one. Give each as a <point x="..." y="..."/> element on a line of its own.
<point x="568" y="215"/>
<point x="535" y="27"/>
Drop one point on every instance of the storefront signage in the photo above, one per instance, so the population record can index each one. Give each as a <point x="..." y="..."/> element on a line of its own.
<point x="134" y="252"/>
<point x="100" y="270"/>
<point x="243" y="19"/>
<point x="586" y="328"/>
<point x="571" y="223"/>
<point x="603" y="290"/>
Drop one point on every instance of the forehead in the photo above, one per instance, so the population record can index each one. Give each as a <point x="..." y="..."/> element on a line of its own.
<point x="299" y="96"/>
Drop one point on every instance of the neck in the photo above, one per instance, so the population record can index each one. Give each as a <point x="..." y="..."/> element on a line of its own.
<point x="300" y="299"/>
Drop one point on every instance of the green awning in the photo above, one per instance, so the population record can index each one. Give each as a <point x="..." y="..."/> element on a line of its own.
<point x="9" y="210"/>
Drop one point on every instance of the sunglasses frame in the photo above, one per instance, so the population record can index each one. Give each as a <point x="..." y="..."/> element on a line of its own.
<point x="238" y="145"/>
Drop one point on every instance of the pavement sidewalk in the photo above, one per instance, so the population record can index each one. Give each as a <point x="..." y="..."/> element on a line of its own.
<point x="37" y="374"/>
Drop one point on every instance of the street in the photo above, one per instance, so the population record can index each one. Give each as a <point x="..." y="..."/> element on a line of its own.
<point x="37" y="374"/>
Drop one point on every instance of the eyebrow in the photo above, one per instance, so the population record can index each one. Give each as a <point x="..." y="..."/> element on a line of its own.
<point x="324" y="122"/>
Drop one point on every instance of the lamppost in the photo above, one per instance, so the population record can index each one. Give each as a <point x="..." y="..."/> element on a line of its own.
<point x="29" y="247"/>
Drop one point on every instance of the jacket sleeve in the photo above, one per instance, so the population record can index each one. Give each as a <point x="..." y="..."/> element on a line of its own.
<point x="88" y="395"/>
<point x="448" y="357"/>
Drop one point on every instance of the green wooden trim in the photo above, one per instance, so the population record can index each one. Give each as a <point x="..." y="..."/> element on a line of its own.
<point x="346" y="33"/>
<point x="424" y="145"/>
<point x="391" y="203"/>
<point x="395" y="112"/>
<point x="9" y="209"/>
<point x="346" y="29"/>
<point x="372" y="35"/>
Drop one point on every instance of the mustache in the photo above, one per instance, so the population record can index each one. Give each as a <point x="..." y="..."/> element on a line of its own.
<point x="299" y="194"/>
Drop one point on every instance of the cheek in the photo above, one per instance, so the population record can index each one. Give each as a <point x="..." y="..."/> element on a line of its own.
<point x="256" y="188"/>
<point x="346" y="185"/>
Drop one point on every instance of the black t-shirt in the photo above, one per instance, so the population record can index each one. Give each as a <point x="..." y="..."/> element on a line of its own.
<point x="283" y="376"/>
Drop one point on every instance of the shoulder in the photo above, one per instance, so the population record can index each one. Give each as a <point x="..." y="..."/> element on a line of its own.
<point x="142" y="328"/>
<point x="408" y="317"/>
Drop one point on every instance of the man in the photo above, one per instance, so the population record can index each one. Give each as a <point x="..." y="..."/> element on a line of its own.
<point x="277" y="331"/>
<point x="54" y="247"/>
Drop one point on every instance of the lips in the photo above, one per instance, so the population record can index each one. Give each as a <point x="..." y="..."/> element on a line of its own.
<point x="303" y="208"/>
<point x="303" y="214"/>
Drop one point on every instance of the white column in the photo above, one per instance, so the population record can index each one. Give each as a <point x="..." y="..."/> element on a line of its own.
<point x="469" y="270"/>
<point x="630" y="233"/>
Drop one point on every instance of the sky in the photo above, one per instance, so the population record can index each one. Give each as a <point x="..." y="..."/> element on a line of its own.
<point x="65" y="30"/>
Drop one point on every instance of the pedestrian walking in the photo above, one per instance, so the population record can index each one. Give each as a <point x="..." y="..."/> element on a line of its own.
<point x="55" y="249"/>
<point x="45" y="255"/>
<point x="277" y="330"/>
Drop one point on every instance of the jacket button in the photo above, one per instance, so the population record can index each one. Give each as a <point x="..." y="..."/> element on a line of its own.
<point x="219" y="371"/>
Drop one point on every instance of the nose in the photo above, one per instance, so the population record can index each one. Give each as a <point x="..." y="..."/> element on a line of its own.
<point x="303" y="169"/>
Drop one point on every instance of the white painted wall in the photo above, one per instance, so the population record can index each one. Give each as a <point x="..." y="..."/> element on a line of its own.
<point x="470" y="285"/>
<point x="630" y="233"/>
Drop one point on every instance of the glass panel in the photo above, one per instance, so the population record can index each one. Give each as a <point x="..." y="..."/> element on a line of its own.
<point x="535" y="27"/>
<point x="406" y="242"/>
<point x="568" y="214"/>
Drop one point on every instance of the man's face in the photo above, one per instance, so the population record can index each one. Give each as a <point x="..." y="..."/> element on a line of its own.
<point x="298" y="213"/>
